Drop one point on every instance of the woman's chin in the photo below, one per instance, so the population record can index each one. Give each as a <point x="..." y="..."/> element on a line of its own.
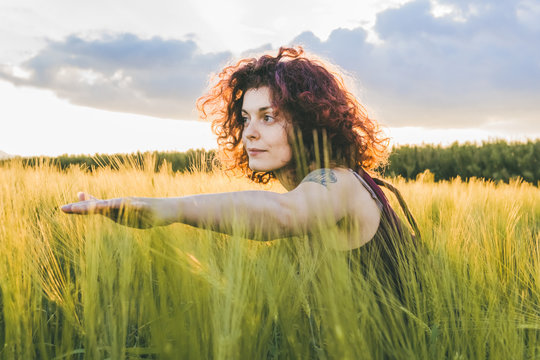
<point x="260" y="168"/>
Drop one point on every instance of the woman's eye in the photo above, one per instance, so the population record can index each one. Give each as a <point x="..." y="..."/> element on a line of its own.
<point x="268" y="118"/>
<point x="244" y="120"/>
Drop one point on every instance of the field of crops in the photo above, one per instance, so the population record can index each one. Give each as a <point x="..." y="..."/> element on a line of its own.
<point x="74" y="287"/>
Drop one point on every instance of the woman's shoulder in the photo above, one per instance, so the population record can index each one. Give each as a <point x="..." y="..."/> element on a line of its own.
<point x="344" y="182"/>
<point x="362" y="210"/>
<point x="336" y="179"/>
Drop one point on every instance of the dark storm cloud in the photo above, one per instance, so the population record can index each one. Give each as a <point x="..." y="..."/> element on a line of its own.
<point x="480" y="62"/>
<point x="124" y="73"/>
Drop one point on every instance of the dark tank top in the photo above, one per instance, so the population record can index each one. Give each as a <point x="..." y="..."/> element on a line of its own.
<point x="389" y="244"/>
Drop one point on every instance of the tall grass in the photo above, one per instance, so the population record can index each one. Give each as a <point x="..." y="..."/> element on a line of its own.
<point x="84" y="287"/>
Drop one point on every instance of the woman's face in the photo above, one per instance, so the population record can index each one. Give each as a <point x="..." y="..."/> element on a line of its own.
<point x="264" y="136"/>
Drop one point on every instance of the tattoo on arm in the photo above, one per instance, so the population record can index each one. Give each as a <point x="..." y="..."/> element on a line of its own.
<point x="321" y="176"/>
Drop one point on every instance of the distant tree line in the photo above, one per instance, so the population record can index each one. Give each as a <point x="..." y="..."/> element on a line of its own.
<point x="498" y="161"/>
<point x="175" y="161"/>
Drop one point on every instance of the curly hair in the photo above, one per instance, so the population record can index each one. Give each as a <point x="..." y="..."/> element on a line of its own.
<point x="309" y="94"/>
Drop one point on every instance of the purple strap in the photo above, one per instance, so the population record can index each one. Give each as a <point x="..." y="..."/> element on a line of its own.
<point x="387" y="209"/>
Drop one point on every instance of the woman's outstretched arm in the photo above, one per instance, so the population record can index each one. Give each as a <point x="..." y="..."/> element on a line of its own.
<point x="261" y="215"/>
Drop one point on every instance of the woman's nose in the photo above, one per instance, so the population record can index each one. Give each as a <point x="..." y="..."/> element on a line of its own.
<point x="250" y="131"/>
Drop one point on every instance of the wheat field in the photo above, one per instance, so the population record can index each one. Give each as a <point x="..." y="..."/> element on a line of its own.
<point x="83" y="287"/>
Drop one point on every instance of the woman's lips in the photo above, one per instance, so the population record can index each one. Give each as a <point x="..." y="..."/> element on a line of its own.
<point x="255" y="151"/>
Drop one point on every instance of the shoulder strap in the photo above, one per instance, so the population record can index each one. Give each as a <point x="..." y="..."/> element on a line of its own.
<point x="398" y="195"/>
<point x="372" y="192"/>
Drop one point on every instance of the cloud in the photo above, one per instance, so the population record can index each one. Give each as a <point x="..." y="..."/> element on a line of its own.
<point x="123" y="73"/>
<point x="477" y="64"/>
<point x="438" y="63"/>
<point x="256" y="51"/>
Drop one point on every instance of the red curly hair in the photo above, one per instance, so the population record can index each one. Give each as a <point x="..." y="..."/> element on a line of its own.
<point x="311" y="96"/>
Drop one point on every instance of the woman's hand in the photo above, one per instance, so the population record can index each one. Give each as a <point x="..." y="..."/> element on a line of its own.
<point x="135" y="212"/>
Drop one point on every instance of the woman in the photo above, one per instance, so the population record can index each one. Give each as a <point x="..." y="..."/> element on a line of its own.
<point x="286" y="117"/>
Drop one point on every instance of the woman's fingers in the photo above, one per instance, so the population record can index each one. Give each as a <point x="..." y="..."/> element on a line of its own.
<point x="87" y="204"/>
<point x="93" y="206"/>
<point x="83" y="207"/>
<point x="128" y="211"/>
<point x="110" y="207"/>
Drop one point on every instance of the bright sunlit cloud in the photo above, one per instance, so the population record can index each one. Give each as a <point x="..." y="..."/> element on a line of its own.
<point x="42" y="124"/>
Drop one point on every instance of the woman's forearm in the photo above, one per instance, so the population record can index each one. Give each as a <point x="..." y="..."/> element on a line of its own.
<point x="260" y="215"/>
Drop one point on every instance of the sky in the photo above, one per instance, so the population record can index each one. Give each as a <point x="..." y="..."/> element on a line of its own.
<point x="122" y="76"/>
